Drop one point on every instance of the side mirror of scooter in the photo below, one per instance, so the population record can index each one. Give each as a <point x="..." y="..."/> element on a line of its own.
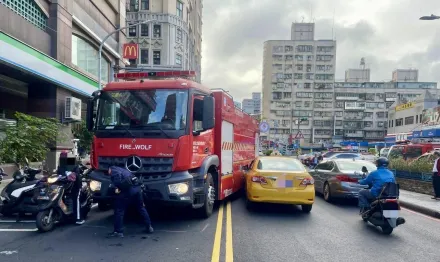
<point x="364" y="169"/>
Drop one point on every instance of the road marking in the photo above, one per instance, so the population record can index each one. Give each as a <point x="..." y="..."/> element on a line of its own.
<point x="18" y="230"/>
<point x="205" y="227"/>
<point x="422" y="215"/>
<point x="218" y="237"/>
<point x="229" y="248"/>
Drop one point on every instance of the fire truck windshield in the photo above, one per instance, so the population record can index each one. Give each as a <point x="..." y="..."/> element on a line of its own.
<point x="159" y="109"/>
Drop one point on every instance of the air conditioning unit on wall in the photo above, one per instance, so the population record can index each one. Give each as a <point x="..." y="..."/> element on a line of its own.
<point x="72" y="109"/>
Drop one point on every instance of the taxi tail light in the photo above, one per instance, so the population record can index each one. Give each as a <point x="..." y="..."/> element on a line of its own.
<point x="259" y="179"/>
<point x="345" y="178"/>
<point x="307" y="181"/>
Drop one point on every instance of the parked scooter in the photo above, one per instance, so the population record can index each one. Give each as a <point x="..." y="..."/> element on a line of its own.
<point x="55" y="202"/>
<point x="17" y="196"/>
<point x="384" y="211"/>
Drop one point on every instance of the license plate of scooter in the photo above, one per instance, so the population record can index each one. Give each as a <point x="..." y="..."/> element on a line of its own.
<point x="43" y="198"/>
<point x="391" y="213"/>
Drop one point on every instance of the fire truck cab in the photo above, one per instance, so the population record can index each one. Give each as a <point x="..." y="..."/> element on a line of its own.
<point x="187" y="144"/>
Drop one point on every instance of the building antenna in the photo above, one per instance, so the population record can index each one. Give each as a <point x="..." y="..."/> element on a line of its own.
<point x="333" y="26"/>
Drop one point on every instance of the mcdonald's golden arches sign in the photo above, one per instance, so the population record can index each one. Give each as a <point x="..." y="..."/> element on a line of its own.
<point x="130" y="51"/>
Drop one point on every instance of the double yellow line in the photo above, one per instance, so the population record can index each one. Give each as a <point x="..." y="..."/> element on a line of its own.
<point x="218" y="235"/>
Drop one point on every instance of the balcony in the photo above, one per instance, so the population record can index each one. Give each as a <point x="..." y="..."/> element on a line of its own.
<point x="143" y="15"/>
<point x="353" y="118"/>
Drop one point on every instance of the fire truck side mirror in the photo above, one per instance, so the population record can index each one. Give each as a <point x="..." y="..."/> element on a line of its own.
<point x="90" y="114"/>
<point x="208" y="113"/>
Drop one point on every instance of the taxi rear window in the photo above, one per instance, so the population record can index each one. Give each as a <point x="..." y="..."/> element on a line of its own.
<point x="280" y="164"/>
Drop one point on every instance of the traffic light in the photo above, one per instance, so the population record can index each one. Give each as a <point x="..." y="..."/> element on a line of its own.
<point x="303" y="119"/>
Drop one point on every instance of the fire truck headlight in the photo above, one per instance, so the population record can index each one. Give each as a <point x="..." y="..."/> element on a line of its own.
<point x="179" y="188"/>
<point x="95" y="185"/>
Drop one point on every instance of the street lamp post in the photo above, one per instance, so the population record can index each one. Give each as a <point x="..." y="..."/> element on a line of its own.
<point x="103" y="42"/>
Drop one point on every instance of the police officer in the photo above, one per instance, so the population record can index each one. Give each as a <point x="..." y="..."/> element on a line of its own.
<point x="127" y="191"/>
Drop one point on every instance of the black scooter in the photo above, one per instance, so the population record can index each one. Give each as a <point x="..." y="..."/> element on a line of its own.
<point x="55" y="202"/>
<point x="17" y="196"/>
<point x="384" y="211"/>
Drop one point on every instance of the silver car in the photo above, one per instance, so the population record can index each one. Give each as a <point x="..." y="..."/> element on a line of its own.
<point x="338" y="178"/>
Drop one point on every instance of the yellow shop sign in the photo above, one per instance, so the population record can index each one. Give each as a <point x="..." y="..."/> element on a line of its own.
<point x="405" y="106"/>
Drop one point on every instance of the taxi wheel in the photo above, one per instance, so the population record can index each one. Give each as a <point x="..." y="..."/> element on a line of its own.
<point x="327" y="193"/>
<point x="306" y="208"/>
<point x="249" y="204"/>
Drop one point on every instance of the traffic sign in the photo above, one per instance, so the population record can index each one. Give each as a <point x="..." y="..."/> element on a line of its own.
<point x="299" y="135"/>
<point x="264" y="127"/>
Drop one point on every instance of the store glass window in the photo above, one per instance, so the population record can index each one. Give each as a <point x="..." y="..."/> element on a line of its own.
<point x="85" y="56"/>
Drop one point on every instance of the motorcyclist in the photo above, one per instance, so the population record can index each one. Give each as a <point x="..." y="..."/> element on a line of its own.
<point x="377" y="179"/>
<point x="127" y="192"/>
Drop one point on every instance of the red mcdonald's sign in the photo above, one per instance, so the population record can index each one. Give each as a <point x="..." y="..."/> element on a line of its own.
<point x="130" y="51"/>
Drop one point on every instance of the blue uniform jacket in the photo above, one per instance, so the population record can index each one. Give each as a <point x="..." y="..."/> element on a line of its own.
<point x="117" y="175"/>
<point x="377" y="179"/>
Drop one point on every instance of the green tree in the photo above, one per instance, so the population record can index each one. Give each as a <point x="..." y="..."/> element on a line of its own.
<point x="29" y="138"/>
<point x="84" y="135"/>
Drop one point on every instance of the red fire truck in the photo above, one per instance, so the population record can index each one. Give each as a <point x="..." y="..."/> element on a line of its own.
<point x="189" y="145"/>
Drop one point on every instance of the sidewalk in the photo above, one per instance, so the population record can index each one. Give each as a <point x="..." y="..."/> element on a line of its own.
<point x="420" y="203"/>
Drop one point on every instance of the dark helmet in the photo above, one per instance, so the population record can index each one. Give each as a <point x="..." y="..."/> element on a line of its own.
<point x="382" y="162"/>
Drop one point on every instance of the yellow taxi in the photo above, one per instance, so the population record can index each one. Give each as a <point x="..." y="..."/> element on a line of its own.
<point x="280" y="180"/>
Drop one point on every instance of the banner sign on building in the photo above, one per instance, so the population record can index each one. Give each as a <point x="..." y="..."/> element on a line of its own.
<point x="130" y="51"/>
<point x="405" y="106"/>
<point x="431" y="117"/>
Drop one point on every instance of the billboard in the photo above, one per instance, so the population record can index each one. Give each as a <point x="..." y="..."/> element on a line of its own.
<point x="130" y="51"/>
<point x="431" y="116"/>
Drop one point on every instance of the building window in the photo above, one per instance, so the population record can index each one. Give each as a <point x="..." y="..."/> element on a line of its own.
<point x="179" y="36"/>
<point x="145" y="30"/>
<point x="132" y="62"/>
<point x="132" y="31"/>
<point x="409" y="120"/>
<point x="85" y="56"/>
<point x="157" y="31"/>
<point x="417" y="119"/>
<point x="134" y="6"/>
<point x="145" y="4"/>
<point x="156" y="57"/>
<point x="144" y="56"/>
<point x="178" y="59"/>
<point x="399" y="122"/>
<point x="179" y="11"/>
<point x="28" y="10"/>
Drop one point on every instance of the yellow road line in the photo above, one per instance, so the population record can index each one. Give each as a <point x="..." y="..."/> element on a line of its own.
<point x="229" y="246"/>
<point x="218" y="236"/>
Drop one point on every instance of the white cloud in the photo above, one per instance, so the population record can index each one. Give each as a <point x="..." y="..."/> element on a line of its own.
<point x="386" y="32"/>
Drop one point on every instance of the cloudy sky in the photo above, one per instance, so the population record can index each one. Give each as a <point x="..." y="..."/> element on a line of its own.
<point x="386" y="32"/>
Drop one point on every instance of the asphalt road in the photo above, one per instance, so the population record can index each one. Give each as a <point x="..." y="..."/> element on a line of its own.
<point x="331" y="232"/>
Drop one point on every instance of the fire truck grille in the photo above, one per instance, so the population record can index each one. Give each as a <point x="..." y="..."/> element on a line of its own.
<point x="152" y="168"/>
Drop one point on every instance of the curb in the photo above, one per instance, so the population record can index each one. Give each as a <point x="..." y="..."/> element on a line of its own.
<point x="420" y="209"/>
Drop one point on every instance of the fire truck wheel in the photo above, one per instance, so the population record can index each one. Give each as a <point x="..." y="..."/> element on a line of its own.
<point x="208" y="205"/>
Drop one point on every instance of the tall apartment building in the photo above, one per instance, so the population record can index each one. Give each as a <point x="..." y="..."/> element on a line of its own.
<point x="237" y="104"/>
<point x="49" y="51"/>
<point x="298" y="79"/>
<point x="361" y="109"/>
<point x="252" y="105"/>
<point x="173" y="41"/>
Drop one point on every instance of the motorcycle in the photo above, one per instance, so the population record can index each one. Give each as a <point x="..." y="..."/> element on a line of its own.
<point x="384" y="210"/>
<point x="17" y="196"/>
<point x="55" y="202"/>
